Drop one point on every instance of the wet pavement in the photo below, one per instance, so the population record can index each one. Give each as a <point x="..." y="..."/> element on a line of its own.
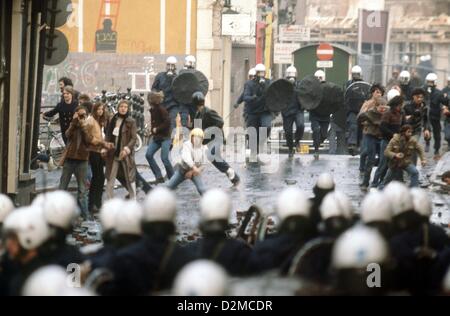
<point x="262" y="188"/>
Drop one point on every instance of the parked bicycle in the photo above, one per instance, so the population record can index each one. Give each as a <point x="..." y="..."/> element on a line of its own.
<point x="54" y="144"/>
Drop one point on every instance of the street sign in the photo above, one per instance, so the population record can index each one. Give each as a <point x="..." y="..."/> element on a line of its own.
<point x="294" y="33"/>
<point x="283" y="53"/>
<point x="324" y="64"/>
<point x="325" y="52"/>
<point x="236" y="25"/>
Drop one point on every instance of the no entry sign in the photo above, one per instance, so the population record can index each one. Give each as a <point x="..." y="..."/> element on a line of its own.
<point x="325" y="52"/>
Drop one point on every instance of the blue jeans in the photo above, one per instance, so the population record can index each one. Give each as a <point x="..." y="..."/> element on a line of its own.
<point x="411" y="170"/>
<point x="78" y="168"/>
<point x="371" y="147"/>
<point x="155" y="145"/>
<point x="382" y="166"/>
<point x="179" y="178"/>
<point x="447" y="132"/>
<point x="363" y="154"/>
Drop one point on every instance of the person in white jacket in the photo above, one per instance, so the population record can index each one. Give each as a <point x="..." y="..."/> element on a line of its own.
<point x="193" y="157"/>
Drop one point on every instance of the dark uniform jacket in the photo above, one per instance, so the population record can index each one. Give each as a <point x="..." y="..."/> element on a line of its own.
<point x="163" y="82"/>
<point x="255" y="100"/>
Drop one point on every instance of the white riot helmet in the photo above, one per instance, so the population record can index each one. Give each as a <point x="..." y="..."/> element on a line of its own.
<point x="30" y="227"/>
<point x="160" y="206"/>
<point x="292" y="202"/>
<point x="46" y="281"/>
<point x="399" y="197"/>
<point x="359" y="247"/>
<point x="201" y="278"/>
<point x="260" y="72"/>
<point x="291" y="73"/>
<point x="59" y="207"/>
<point x="320" y="74"/>
<point x="392" y="94"/>
<point x="6" y="207"/>
<point x="171" y="64"/>
<point x="128" y="219"/>
<point x="215" y="205"/>
<point x="425" y="58"/>
<point x="356" y="72"/>
<point x="172" y="60"/>
<point x="51" y="281"/>
<point x="252" y="73"/>
<point x="431" y="79"/>
<point x="190" y="62"/>
<point x="260" y="68"/>
<point x="405" y="77"/>
<point x="375" y="209"/>
<point x="422" y="202"/>
<point x="108" y="213"/>
<point x="336" y="204"/>
<point x="325" y="182"/>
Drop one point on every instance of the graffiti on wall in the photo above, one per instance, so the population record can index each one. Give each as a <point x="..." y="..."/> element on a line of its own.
<point x="91" y="73"/>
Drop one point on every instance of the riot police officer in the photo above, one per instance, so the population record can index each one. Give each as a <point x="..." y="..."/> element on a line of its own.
<point x="163" y="82"/>
<point x="293" y="114"/>
<point x="258" y="115"/>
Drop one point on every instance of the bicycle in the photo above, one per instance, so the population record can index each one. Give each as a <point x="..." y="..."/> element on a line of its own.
<point x="55" y="143"/>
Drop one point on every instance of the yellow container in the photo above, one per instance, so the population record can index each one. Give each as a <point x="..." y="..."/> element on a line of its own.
<point x="304" y="149"/>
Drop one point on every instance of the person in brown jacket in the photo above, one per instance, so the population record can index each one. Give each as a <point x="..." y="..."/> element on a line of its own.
<point x="400" y="152"/>
<point x="95" y="125"/>
<point x="371" y="120"/>
<point x="75" y="158"/>
<point x="377" y="92"/>
<point x="160" y="129"/>
<point x="120" y="164"/>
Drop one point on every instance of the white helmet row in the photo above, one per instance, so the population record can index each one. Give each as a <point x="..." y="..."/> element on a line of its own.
<point x="359" y="247"/>
<point x="30" y="227"/>
<point x="399" y="197"/>
<point x="405" y="77"/>
<point x="215" y="205"/>
<point x="128" y="220"/>
<point x="59" y="207"/>
<point x="422" y="202"/>
<point x="392" y="94"/>
<point x="6" y="207"/>
<point x="320" y="74"/>
<point x="201" y="278"/>
<point x="336" y="204"/>
<point x="160" y="206"/>
<point x="291" y="72"/>
<point x="325" y="181"/>
<point x="375" y="209"/>
<point x="172" y="60"/>
<point x="292" y="202"/>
